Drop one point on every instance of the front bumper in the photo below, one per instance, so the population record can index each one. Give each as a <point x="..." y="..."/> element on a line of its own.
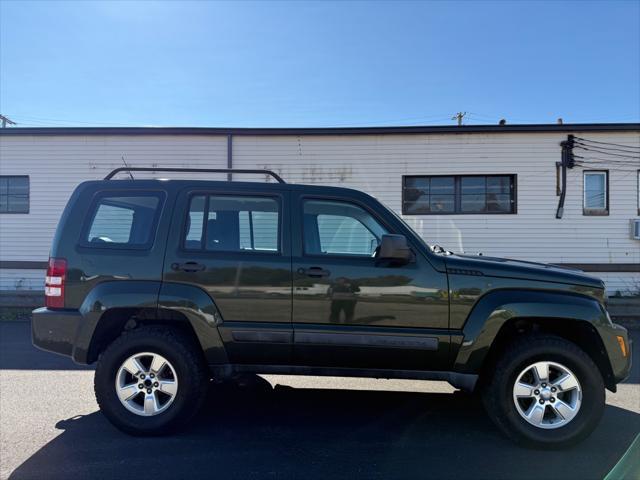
<point x="55" y="330"/>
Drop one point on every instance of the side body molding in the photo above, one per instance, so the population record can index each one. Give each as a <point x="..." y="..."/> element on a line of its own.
<point x="201" y="312"/>
<point x="496" y="308"/>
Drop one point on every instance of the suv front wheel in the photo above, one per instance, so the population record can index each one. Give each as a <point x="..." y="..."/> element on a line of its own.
<point x="545" y="392"/>
<point x="150" y="381"/>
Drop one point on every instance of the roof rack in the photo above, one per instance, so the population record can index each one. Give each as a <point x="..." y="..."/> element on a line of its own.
<point x="193" y="170"/>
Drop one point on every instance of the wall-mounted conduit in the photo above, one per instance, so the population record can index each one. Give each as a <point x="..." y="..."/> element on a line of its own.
<point x="566" y="161"/>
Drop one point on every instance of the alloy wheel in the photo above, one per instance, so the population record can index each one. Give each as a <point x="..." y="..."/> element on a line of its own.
<point x="547" y="395"/>
<point x="146" y="384"/>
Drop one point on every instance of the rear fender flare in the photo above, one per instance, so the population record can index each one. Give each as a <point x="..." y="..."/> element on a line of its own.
<point x="107" y="296"/>
<point x="202" y="313"/>
<point x="157" y="300"/>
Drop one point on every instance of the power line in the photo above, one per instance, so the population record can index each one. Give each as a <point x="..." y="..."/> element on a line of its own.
<point x="4" y="120"/>
<point x="600" y="161"/>
<point x="632" y="160"/>
<point x="600" y="149"/>
<point x="606" y="143"/>
<point x="481" y="116"/>
<point x="605" y="167"/>
<point x="427" y="119"/>
<point x="607" y="153"/>
<point x="615" y="149"/>
<point x="45" y="121"/>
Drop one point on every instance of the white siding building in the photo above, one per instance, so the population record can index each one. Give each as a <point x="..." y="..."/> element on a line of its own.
<point x="515" y="167"/>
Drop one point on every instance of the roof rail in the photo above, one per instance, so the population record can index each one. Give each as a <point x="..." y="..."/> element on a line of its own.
<point x="193" y="170"/>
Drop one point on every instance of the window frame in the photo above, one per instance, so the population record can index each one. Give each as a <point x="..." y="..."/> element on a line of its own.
<point x="28" y="210"/>
<point x="208" y="193"/>
<point x="93" y="210"/>
<point x="351" y="201"/>
<point x="457" y="193"/>
<point x="595" y="212"/>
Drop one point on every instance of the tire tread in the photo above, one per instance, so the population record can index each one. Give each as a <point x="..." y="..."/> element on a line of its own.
<point x="197" y="378"/>
<point x="492" y="391"/>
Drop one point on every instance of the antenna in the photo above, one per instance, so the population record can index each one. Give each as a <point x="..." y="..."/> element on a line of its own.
<point x="125" y="164"/>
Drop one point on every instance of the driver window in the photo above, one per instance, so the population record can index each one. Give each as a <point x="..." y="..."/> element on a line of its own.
<point x="339" y="228"/>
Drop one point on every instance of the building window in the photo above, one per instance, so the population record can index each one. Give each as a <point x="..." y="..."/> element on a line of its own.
<point x="459" y="194"/>
<point x="14" y="194"/>
<point x="596" y="193"/>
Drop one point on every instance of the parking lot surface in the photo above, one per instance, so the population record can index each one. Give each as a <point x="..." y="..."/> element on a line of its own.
<point x="282" y="427"/>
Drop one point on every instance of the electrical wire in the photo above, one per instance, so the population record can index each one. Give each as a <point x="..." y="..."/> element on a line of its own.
<point x="608" y="148"/>
<point x="603" y="167"/>
<point x="481" y="116"/>
<point x="608" y="153"/>
<point x="604" y="152"/>
<point x="608" y="162"/>
<point x="606" y="143"/>
<point x="48" y="121"/>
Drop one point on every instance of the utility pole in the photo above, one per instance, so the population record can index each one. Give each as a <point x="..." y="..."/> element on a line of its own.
<point x="6" y="121"/>
<point x="459" y="116"/>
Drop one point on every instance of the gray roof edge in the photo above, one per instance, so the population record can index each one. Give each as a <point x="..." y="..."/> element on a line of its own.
<point x="449" y="129"/>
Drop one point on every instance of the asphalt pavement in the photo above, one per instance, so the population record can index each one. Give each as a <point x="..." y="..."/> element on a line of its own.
<point x="282" y="427"/>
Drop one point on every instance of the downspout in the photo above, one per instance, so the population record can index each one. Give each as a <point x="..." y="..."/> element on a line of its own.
<point x="566" y="162"/>
<point x="230" y="156"/>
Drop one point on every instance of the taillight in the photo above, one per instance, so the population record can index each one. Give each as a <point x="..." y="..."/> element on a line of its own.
<point x="54" y="283"/>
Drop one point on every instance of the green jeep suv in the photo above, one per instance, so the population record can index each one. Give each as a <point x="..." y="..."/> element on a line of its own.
<point x="167" y="284"/>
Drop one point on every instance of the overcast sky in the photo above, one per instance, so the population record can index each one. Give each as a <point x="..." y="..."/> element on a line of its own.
<point x="319" y="63"/>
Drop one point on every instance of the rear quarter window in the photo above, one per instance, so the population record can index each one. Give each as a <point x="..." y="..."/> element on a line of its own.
<point x="122" y="220"/>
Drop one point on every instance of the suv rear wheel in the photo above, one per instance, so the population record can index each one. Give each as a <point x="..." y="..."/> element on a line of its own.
<point x="150" y="380"/>
<point x="545" y="392"/>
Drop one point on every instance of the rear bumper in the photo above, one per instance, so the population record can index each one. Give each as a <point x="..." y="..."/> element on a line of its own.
<point x="55" y="330"/>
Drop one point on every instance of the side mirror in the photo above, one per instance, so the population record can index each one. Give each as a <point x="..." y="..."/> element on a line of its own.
<point x="394" y="249"/>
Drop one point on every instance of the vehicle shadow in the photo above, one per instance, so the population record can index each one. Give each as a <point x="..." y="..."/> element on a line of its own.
<point x="256" y="431"/>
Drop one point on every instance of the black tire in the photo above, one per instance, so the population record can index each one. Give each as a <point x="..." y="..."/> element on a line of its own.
<point x="497" y="394"/>
<point x="184" y="355"/>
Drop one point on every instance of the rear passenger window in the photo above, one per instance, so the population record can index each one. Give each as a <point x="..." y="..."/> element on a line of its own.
<point x="123" y="221"/>
<point x="232" y="224"/>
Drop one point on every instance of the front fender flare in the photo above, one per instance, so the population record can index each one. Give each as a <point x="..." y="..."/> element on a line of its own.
<point x="498" y="307"/>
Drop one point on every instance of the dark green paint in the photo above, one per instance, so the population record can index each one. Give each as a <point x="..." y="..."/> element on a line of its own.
<point x="496" y="308"/>
<point x="203" y="315"/>
<point x="107" y="296"/>
<point x="436" y="316"/>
